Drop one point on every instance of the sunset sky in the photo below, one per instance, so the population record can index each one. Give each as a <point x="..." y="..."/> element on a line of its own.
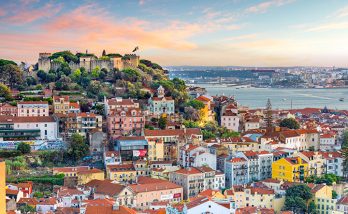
<point x="181" y="32"/>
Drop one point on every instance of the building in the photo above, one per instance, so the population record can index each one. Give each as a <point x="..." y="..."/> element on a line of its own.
<point x="111" y="158"/>
<point x="2" y="187"/>
<point x="328" y="143"/>
<point x="148" y="190"/>
<point x="106" y="205"/>
<point x="28" y="128"/>
<point x="191" y="179"/>
<point x="119" y="103"/>
<point x="293" y="169"/>
<point x="201" y="204"/>
<point x="83" y="123"/>
<point x="230" y="120"/>
<point x="90" y="62"/>
<point x="192" y="155"/>
<point x="127" y="121"/>
<point x="236" y="171"/>
<point x="61" y="104"/>
<point x="206" y="113"/>
<point x="83" y="174"/>
<point x="161" y="105"/>
<point x="315" y="161"/>
<point x="155" y="149"/>
<point x="109" y="189"/>
<point x="261" y="197"/>
<point x="333" y="163"/>
<point x="123" y="173"/>
<point x="322" y="197"/>
<point x="131" y="148"/>
<point x="342" y="205"/>
<point x="33" y="109"/>
<point x="9" y="110"/>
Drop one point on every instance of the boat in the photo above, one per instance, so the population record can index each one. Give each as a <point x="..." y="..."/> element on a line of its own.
<point x="284" y="99"/>
<point x="341" y="99"/>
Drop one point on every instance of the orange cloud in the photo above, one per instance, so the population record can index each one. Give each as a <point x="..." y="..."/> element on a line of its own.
<point x="264" y="6"/>
<point x="22" y="14"/>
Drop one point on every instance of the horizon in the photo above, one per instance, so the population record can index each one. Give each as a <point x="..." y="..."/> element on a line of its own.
<point x="268" y="33"/>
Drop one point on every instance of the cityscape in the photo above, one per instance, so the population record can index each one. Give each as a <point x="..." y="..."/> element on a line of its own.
<point x="173" y="107"/>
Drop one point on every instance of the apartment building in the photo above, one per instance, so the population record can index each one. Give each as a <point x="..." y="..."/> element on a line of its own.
<point x="33" y="109"/>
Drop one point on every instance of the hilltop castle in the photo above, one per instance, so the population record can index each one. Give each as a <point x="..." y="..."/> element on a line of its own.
<point x="90" y="62"/>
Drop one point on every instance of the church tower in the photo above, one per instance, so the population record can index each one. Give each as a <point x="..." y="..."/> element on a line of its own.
<point x="160" y="92"/>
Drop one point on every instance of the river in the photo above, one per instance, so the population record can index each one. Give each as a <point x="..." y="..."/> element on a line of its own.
<point x="284" y="98"/>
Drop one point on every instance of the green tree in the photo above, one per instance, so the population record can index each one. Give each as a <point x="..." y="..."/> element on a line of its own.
<point x="5" y="92"/>
<point x="228" y="133"/>
<point x="312" y="209"/>
<point x="208" y="134"/>
<point x="78" y="147"/>
<point x="11" y="75"/>
<point x="345" y="139"/>
<point x="290" y="123"/>
<point x="63" y="83"/>
<point x="334" y="194"/>
<point x="67" y="55"/>
<point x="296" y="198"/>
<point x="162" y="122"/>
<point x="196" y="104"/>
<point x="95" y="72"/>
<point x="24" y="148"/>
<point x="27" y="209"/>
<point x="6" y="62"/>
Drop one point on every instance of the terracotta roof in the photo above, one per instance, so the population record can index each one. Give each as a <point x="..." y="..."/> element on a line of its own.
<point x="189" y="171"/>
<point x="57" y="98"/>
<point x="74" y="105"/>
<point x="90" y="171"/>
<point x="70" y="169"/>
<point x="121" y="167"/>
<point x="343" y="200"/>
<point x="294" y="160"/>
<point x="173" y="132"/>
<point x="203" y="99"/>
<point x="237" y="160"/>
<point x="163" y="98"/>
<point x="131" y="138"/>
<point x="317" y="187"/>
<point x="154" y="186"/>
<point x="32" y="102"/>
<point x="105" y="206"/>
<point x="105" y="187"/>
<point x="12" y="119"/>
<point x="69" y="192"/>
<point x="47" y="201"/>
<point x="29" y="201"/>
<point x="271" y="180"/>
<point x="11" y="191"/>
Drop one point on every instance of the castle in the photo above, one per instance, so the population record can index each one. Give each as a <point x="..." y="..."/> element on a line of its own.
<point x="90" y="62"/>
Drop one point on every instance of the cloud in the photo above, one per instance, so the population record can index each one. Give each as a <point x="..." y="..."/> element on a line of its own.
<point x="23" y="15"/>
<point x="141" y="2"/>
<point x="264" y="6"/>
<point x="329" y="26"/>
<point x="241" y="37"/>
<point x="343" y="12"/>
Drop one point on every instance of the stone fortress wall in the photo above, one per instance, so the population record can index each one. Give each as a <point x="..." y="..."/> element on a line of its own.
<point x="90" y="62"/>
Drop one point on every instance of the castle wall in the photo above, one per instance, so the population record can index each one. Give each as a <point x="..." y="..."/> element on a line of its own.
<point x="55" y="65"/>
<point x="107" y="64"/>
<point x="44" y="64"/>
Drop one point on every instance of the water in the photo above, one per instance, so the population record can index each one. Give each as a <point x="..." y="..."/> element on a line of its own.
<point x="281" y="98"/>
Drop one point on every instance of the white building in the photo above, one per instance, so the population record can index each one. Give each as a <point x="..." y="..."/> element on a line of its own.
<point x="33" y="109"/>
<point x="230" y="120"/>
<point x="328" y="142"/>
<point x="29" y="128"/>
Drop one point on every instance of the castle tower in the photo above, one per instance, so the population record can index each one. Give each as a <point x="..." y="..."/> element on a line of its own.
<point x="160" y="92"/>
<point x="44" y="61"/>
<point x="85" y="61"/>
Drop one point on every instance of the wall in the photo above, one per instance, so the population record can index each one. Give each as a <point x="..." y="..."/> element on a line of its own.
<point x="51" y="128"/>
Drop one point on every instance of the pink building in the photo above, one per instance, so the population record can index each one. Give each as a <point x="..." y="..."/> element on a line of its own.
<point x="125" y="121"/>
<point x="149" y="190"/>
<point x="33" y="109"/>
<point x="9" y="110"/>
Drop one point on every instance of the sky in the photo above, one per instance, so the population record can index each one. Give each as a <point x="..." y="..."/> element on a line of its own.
<point x="181" y="32"/>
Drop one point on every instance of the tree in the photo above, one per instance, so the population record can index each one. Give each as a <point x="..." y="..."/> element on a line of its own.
<point x="162" y="122"/>
<point x="27" y="209"/>
<point x="31" y="81"/>
<point x="95" y="72"/>
<point x="269" y="114"/>
<point x="24" y="148"/>
<point x="296" y="198"/>
<point x="345" y="139"/>
<point x="78" y="147"/>
<point x="5" y="92"/>
<point x="11" y="75"/>
<point x="196" y="104"/>
<point x="63" y="83"/>
<point x="290" y="123"/>
<point x="312" y="209"/>
<point x="6" y="62"/>
<point x="191" y="113"/>
<point x="334" y="194"/>
<point x="228" y="133"/>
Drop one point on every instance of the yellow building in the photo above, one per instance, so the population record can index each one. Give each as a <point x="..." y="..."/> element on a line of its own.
<point x="83" y="173"/>
<point x="2" y="187"/>
<point x="86" y="176"/>
<point x="293" y="169"/>
<point x="124" y="173"/>
<point x="206" y="114"/>
<point x="61" y="104"/>
<point x="322" y="197"/>
<point x="155" y="149"/>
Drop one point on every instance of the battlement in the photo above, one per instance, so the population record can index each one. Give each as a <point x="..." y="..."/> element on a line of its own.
<point x="44" y="55"/>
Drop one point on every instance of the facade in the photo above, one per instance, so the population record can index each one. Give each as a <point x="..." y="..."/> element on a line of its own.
<point x="28" y="128"/>
<point x="83" y="123"/>
<point x="328" y="143"/>
<point x="123" y="173"/>
<point x="61" y="104"/>
<point x="236" y="171"/>
<point x="206" y="113"/>
<point x="290" y="169"/>
<point x="125" y="122"/>
<point x="322" y="197"/>
<point x="230" y="120"/>
<point x="33" y="109"/>
<point x="191" y="179"/>
<point x="149" y="190"/>
<point x="83" y="174"/>
<point x="333" y="163"/>
<point x="315" y="161"/>
<point x="155" y="149"/>
<point x="342" y="205"/>
<point x="132" y="148"/>
<point x="118" y="103"/>
<point x="161" y="105"/>
<point x="9" y="110"/>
